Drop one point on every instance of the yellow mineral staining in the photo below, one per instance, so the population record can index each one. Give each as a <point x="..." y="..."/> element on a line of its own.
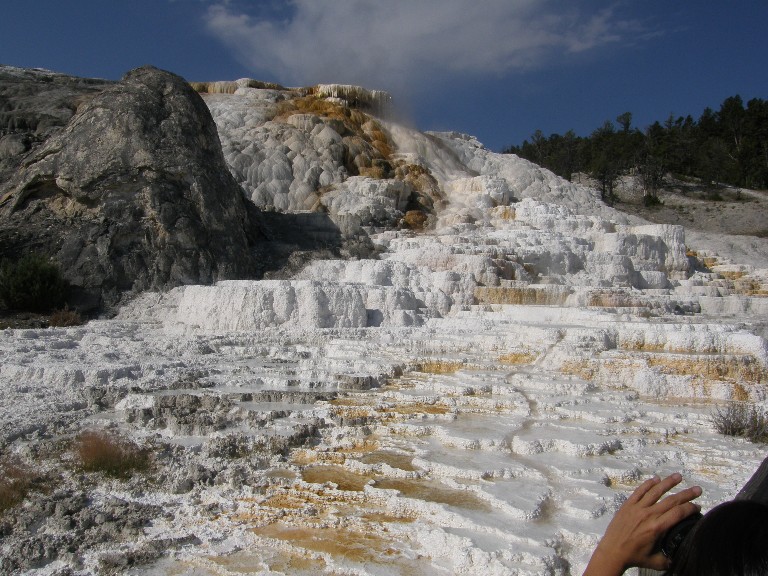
<point x="517" y="358"/>
<point x="440" y="366"/>
<point x="375" y="172"/>
<point x="351" y="545"/>
<point x="353" y="121"/>
<point x="306" y="456"/>
<point x="357" y="448"/>
<point x="503" y="212"/>
<point x="430" y="491"/>
<point x="584" y="369"/>
<point x="549" y="296"/>
<point x="641" y="345"/>
<point x="732" y="274"/>
<point x="284" y="501"/>
<point x="214" y="87"/>
<point x="750" y="287"/>
<point x="705" y="373"/>
<point x="286" y="562"/>
<point x="229" y="87"/>
<point x="318" y="107"/>
<point x="411" y="408"/>
<point x="354" y="96"/>
<point x="348" y="401"/>
<point x="384" y="518"/>
<point x="354" y="413"/>
<point x="740" y="393"/>
<point x="343" y="478"/>
<point x="616" y="300"/>
<point x="738" y="369"/>
<point x="429" y="196"/>
<point x="392" y="459"/>
<point x="415" y="219"/>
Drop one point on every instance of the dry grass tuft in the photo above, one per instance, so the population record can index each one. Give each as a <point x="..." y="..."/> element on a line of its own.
<point x="111" y="454"/>
<point x="65" y="318"/>
<point x="15" y="481"/>
<point x="742" y="419"/>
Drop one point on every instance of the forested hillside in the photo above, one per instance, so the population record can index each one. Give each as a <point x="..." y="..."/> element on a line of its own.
<point x="727" y="146"/>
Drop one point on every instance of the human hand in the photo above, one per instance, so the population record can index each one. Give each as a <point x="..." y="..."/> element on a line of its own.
<point x="631" y="536"/>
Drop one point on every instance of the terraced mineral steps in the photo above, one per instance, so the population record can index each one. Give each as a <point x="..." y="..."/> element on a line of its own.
<point x="474" y="397"/>
<point x="510" y="469"/>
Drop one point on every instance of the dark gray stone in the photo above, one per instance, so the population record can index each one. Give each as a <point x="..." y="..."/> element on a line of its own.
<point x="131" y="194"/>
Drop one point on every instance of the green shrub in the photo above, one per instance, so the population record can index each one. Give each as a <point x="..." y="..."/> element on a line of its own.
<point x="32" y="284"/>
<point x="111" y="454"/>
<point x="650" y="200"/>
<point x="742" y="419"/>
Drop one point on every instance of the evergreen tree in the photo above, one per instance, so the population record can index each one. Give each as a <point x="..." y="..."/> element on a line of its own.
<point x="729" y="146"/>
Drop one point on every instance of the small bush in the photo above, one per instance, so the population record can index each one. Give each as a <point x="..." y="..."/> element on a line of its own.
<point x="32" y="284"/>
<point x="111" y="454"/>
<point x="64" y="318"/>
<point x="15" y="481"/>
<point x="650" y="200"/>
<point x="743" y="420"/>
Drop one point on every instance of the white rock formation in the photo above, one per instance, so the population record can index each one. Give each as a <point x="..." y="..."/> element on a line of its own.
<point x="477" y="400"/>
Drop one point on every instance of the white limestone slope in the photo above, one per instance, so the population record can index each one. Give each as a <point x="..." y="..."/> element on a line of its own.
<point x="478" y="399"/>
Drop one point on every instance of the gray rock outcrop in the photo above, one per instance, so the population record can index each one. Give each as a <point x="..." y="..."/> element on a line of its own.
<point x="132" y="194"/>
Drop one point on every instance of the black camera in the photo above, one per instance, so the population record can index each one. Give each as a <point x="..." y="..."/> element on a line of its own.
<point x="673" y="537"/>
<point x="755" y="489"/>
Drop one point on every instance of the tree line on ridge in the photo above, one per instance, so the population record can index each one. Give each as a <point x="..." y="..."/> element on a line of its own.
<point x="727" y="146"/>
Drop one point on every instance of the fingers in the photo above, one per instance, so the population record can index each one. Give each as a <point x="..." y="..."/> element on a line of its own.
<point x="683" y="496"/>
<point x="643" y="489"/>
<point x="660" y="488"/>
<point x="657" y="562"/>
<point x="676" y="514"/>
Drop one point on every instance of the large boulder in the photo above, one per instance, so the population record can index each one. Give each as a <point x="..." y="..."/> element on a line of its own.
<point x="132" y="194"/>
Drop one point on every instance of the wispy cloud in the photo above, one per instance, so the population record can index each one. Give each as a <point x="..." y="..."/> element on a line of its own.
<point x="409" y="44"/>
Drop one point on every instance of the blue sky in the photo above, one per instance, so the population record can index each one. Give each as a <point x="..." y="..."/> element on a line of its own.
<point x="496" y="69"/>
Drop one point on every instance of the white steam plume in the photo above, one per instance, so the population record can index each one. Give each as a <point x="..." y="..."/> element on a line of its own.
<point x="409" y="44"/>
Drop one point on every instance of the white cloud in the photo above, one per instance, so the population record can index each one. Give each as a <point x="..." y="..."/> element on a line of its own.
<point x="402" y="45"/>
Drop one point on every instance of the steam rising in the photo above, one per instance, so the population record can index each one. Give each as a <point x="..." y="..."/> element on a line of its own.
<point x="408" y="45"/>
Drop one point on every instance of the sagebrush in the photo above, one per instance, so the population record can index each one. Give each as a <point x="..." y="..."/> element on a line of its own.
<point x="743" y="420"/>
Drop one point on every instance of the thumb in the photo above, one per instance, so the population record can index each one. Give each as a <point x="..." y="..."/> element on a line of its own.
<point x="658" y="562"/>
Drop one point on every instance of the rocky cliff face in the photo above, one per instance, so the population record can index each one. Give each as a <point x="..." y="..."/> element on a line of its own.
<point x="131" y="194"/>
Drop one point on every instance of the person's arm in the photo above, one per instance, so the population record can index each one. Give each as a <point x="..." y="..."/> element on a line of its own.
<point x="632" y="534"/>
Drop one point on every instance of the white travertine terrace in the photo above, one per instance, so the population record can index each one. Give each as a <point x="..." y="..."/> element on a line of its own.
<point x="478" y="399"/>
